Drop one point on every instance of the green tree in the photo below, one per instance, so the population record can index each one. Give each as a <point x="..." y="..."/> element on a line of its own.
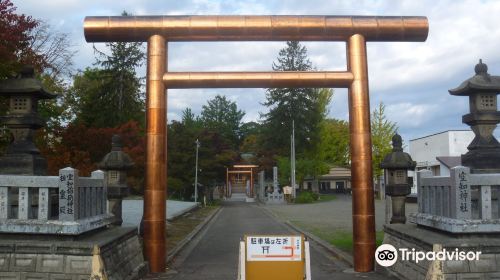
<point x="110" y="93"/>
<point x="87" y="100"/>
<point x="301" y="105"/>
<point x="216" y="152"/>
<point x="333" y="148"/>
<point x="304" y="167"/>
<point x="181" y="158"/>
<point x="106" y="97"/>
<point x="382" y="132"/>
<point x="189" y="118"/>
<point x="223" y="116"/>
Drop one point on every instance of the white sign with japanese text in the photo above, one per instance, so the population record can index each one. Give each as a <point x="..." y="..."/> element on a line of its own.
<point x="274" y="248"/>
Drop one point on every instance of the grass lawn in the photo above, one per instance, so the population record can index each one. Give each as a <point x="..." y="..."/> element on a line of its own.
<point x="343" y="239"/>
<point x="326" y="197"/>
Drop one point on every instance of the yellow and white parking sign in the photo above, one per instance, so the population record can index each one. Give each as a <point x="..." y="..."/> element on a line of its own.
<point x="274" y="257"/>
<point x="274" y="248"/>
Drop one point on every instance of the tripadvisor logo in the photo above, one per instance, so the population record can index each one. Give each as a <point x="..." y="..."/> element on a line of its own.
<point x="386" y="255"/>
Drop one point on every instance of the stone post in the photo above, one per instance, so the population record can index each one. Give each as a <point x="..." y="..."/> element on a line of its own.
<point x="461" y="193"/>
<point x="68" y="194"/>
<point x="261" y="185"/>
<point x="275" y="178"/>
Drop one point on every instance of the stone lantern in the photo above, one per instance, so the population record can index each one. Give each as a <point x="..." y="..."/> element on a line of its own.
<point x="116" y="163"/>
<point x="484" y="150"/>
<point x="396" y="165"/>
<point x="22" y="157"/>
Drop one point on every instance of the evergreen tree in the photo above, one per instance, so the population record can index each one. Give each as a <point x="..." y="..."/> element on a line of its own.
<point x="300" y="105"/>
<point x="110" y="94"/>
<point x="224" y="117"/>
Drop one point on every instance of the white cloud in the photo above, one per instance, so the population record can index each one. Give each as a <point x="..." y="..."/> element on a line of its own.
<point x="409" y="114"/>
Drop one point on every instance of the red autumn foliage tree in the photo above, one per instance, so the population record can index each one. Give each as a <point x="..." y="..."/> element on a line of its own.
<point x="15" y="38"/>
<point x="83" y="147"/>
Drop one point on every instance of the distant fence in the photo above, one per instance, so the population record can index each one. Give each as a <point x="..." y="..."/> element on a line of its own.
<point x="463" y="202"/>
<point x="64" y="204"/>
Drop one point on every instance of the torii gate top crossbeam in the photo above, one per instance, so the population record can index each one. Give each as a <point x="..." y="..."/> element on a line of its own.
<point x="254" y="28"/>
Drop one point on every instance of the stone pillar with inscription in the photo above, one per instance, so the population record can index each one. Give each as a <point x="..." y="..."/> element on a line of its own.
<point x="275" y="197"/>
<point x="116" y="163"/>
<point x="68" y="195"/>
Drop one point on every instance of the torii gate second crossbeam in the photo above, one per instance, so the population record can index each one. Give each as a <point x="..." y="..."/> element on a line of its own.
<point x="354" y="30"/>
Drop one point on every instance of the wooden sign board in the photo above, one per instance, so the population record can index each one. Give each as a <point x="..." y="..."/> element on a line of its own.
<point x="276" y="257"/>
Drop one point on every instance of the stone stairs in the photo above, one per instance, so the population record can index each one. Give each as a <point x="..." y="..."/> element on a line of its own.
<point x="238" y="197"/>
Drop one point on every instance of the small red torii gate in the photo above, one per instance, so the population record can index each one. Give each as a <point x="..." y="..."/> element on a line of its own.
<point x="354" y="30"/>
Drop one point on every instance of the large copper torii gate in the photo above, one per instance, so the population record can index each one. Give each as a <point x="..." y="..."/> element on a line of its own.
<point x="354" y="30"/>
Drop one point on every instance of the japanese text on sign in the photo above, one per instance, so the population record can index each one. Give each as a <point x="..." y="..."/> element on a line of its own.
<point x="274" y="248"/>
<point x="464" y="192"/>
<point x="67" y="194"/>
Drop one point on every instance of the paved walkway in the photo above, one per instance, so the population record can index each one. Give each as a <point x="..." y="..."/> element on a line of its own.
<point x="214" y="253"/>
<point x="132" y="210"/>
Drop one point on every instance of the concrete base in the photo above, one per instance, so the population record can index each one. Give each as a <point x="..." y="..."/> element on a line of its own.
<point x="70" y="257"/>
<point x="411" y="236"/>
<point x="55" y="226"/>
<point x="250" y="199"/>
<point x="456" y="225"/>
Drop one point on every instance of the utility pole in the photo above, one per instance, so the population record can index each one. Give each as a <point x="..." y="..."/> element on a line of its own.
<point x="293" y="159"/>
<point x="196" y="173"/>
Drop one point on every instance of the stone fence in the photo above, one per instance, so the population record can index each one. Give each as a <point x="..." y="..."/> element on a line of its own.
<point x="64" y="204"/>
<point x="461" y="203"/>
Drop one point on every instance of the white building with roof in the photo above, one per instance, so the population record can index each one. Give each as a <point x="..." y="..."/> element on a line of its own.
<point x="439" y="152"/>
<point x="337" y="180"/>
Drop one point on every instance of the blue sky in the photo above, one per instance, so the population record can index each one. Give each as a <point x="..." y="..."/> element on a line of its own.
<point x="412" y="79"/>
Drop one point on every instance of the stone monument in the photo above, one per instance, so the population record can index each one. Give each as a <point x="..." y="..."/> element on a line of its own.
<point x="22" y="119"/>
<point x="458" y="214"/>
<point x="116" y="163"/>
<point x="275" y="197"/>
<point x="396" y="165"/>
<point x="482" y="90"/>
